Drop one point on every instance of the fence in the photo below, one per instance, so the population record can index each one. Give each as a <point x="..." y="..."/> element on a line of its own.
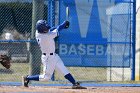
<point x="98" y="46"/>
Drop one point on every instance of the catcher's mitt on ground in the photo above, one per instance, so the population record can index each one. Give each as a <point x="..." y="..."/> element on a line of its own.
<point x="5" y="61"/>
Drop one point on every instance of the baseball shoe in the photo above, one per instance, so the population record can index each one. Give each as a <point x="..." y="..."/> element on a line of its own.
<point x="25" y="82"/>
<point x="77" y="86"/>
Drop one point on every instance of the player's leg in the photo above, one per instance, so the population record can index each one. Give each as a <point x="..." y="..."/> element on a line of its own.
<point x="48" y="69"/>
<point x="60" y="67"/>
<point x="63" y="70"/>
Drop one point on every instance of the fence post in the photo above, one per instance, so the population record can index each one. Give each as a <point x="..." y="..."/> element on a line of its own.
<point x="137" y="75"/>
<point x="134" y="40"/>
<point x="37" y="13"/>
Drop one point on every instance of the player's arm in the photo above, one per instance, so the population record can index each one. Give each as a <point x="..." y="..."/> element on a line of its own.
<point x="62" y="26"/>
<point x="54" y="31"/>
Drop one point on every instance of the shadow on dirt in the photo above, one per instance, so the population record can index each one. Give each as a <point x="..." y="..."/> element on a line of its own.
<point x="77" y="89"/>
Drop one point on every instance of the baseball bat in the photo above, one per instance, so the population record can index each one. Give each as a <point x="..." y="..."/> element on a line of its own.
<point x="67" y="13"/>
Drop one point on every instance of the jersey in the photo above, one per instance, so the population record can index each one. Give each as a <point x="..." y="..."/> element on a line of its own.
<point x="46" y="41"/>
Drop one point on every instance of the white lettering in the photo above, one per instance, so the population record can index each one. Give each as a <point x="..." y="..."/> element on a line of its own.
<point x="99" y="50"/>
<point x="108" y="50"/>
<point x="72" y="50"/>
<point x="83" y="18"/>
<point x="82" y="49"/>
<point x="63" y="49"/>
<point x="90" y="50"/>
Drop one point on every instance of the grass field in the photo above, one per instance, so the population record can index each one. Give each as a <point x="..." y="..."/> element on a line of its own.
<point x="85" y="74"/>
<point x="80" y="73"/>
<point x="14" y="73"/>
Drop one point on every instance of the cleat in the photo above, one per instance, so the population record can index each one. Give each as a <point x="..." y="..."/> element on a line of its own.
<point x="77" y="86"/>
<point x="25" y="82"/>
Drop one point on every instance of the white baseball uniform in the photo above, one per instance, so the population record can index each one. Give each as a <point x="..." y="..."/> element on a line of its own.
<point x="51" y="61"/>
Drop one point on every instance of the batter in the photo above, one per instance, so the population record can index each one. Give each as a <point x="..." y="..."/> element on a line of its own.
<point x="51" y="61"/>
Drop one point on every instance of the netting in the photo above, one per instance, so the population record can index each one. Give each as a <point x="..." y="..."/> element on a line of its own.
<point x="98" y="46"/>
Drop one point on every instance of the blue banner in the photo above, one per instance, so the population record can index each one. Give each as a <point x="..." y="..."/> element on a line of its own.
<point x="98" y="34"/>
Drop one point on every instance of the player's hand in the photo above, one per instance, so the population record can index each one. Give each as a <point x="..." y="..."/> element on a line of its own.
<point x="64" y="25"/>
<point x="67" y="24"/>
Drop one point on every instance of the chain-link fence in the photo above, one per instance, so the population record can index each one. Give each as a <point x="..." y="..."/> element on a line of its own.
<point x="98" y="46"/>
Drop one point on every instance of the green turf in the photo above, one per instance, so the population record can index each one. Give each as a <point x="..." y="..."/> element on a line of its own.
<point x="80" y="73"/>
<point x="85" y="74"/>
<point x="14" y="73"/>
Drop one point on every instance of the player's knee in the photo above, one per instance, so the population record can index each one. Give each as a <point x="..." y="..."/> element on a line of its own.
<point x="44" y="77"/>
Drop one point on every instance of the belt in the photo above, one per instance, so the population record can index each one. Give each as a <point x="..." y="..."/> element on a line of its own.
<point x="46" y="54"/>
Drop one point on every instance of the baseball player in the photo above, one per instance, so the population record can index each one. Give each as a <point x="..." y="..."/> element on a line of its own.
<point x="51" y="61"/>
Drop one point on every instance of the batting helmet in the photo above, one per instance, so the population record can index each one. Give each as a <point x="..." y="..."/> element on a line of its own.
<point x="42" y="26"/>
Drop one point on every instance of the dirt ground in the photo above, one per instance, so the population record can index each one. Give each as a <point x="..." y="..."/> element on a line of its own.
<point x="40" y="89"/>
